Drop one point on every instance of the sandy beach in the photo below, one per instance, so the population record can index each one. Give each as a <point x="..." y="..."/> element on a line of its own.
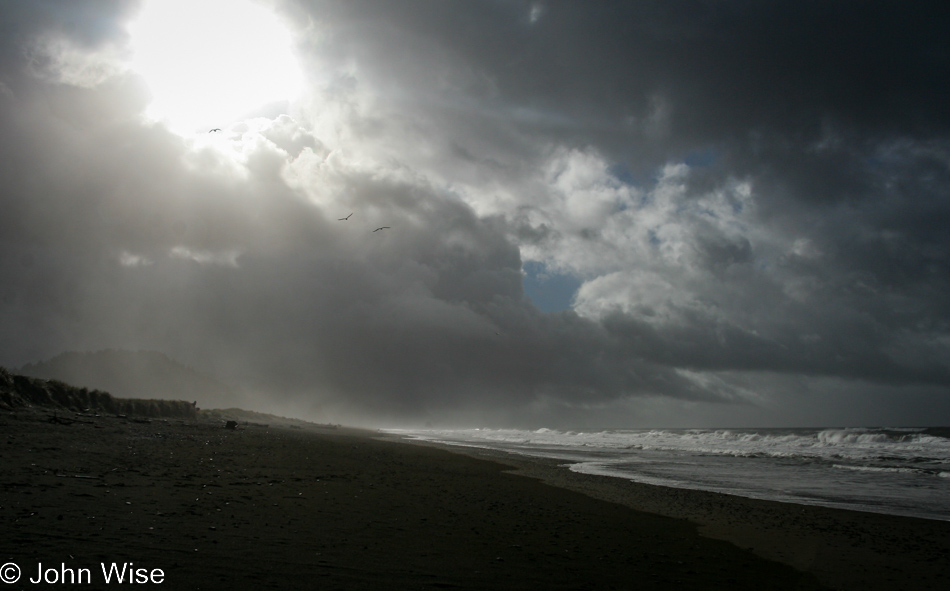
<point x="302" y="506"/>
<point x="694" y="243"/>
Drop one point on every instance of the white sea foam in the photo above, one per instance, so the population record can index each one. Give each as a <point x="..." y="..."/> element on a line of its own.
<point x="902" y="471"/>
<point x="878" y="469"/>
<point x="854" y="444"/>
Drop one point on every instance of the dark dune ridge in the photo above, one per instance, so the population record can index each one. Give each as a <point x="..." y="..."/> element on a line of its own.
<point x="134" y="374"/>
<point x="285" y="504"/>
<point x="18" y="391"/>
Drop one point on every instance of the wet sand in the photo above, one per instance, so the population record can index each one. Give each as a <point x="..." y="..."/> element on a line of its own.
<point x="848" y="550"/>
<point x="291" y="506"/>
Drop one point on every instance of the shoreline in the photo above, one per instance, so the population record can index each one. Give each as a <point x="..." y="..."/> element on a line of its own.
<point x="882" y="470"/>
<point x="844" y="548"/>
<point x="273" y="505"/>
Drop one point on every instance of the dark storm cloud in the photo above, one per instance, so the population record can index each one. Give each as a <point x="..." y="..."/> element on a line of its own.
<point x="723" y="70"/>
<point x="804" y="237"/>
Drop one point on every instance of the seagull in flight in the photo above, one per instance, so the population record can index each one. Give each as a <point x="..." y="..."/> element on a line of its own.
<point x="214" y="130"/>
<point x="344" y="219"/>
<point x="381" y="228"/>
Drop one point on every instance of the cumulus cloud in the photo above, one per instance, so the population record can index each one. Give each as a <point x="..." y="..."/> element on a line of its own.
<point x="752" y="200"/>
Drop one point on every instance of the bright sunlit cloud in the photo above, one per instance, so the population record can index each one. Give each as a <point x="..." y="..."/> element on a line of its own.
<point x="210" y="62"/>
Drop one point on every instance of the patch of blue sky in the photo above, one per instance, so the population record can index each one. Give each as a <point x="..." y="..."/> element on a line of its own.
<point x="701" y="158"/>
<point x="549" y="291"/>
<point x="622" y="173"/>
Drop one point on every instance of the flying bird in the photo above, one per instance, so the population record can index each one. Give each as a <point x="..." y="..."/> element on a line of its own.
<point x="381" y="228"/>
<point x="214" y="130"/>
<point x="344" y="219"/>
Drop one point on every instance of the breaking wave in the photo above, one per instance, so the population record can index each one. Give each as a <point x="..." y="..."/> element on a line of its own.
<point x="904" y="471"/>
<point x="907" y="445"/>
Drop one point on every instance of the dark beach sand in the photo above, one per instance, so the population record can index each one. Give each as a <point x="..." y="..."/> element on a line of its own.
<point x="291" y="507"/>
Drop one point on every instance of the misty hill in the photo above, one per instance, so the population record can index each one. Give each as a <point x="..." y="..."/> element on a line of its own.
<point x="17" y="391"/>
<point x="135" y="374"/>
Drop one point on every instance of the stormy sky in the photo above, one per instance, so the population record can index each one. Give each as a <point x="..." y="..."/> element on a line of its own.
<point x="654" y="213"/>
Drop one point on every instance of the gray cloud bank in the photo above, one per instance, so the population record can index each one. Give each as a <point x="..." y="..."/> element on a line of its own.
<point x="754" y="196"/>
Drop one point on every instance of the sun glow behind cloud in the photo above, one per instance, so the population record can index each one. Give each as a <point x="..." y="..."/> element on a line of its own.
<point x="211" y="62"/>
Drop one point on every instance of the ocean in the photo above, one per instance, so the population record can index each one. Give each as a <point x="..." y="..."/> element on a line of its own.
<point x="899" y="471"/>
